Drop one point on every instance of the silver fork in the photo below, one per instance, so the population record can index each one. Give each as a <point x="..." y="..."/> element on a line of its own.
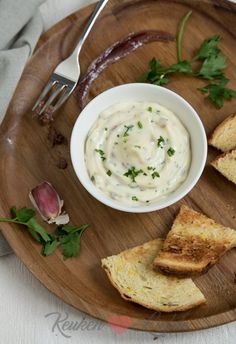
<point x="66" y="75"/>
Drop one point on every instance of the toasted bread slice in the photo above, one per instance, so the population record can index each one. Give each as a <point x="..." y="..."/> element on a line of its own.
<point x="131" y="273"/>
<point x="226" y="165"/>
<point x="194" y="244"/>
<point x="224" y="136"/>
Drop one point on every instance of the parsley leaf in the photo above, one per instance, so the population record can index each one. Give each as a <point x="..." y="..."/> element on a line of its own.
<point x="70" y="239"/>
<point x="34" y="226"/>
<point x="71" y="245"/>
<point x="66" y="229"/>
<point x="50" y="247"/>
<point x="217" y="92"/>
<point x="34" y="235"/>
<point x="208" y="48"/>
<point x="212" y="67"/>
<point x="26" y="217"/>
<point x="155" y="74"/>
<point x="133" y="173"/>
<point x="23" y="214"/>
<point x="180" y="67"/>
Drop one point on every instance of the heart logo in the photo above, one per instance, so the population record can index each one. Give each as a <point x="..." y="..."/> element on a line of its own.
<point x="119" y="324"/>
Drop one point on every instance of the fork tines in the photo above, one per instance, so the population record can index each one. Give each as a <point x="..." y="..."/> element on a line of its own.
<point x="54" y="94"/>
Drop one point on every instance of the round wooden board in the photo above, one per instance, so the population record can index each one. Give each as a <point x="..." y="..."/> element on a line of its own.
<point x="27" y="158"/>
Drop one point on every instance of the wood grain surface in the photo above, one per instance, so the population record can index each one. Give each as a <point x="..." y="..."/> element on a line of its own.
<point x="28" y="158"/>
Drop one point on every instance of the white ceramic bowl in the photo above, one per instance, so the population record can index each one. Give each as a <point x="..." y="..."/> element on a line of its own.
<point x="145" y="93"/>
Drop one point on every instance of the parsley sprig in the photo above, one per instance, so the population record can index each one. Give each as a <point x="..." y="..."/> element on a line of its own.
<point x="212" y="67"/>
<point x="66" y="236"/>
<point x="218" y="92"/>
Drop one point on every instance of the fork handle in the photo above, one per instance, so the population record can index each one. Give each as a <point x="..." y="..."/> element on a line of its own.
<point x="101" y="4"/>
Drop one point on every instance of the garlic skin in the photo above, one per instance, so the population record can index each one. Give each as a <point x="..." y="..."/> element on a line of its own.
<point x="47" y="202"/>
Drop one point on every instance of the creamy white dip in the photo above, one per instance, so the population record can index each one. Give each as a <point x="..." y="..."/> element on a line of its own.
<point x="137" y="153"/>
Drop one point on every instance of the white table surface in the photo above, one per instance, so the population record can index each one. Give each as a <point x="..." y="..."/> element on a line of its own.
<point x="25" y="302"/>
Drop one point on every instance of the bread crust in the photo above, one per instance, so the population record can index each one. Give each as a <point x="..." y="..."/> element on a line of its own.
<point x="194" y="244"/>
<point x="212" y="140"/>
<point x="216" y="161"/>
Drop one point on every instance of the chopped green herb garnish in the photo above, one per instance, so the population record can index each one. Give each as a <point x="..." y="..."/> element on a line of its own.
<point x="101" y="152"/>
<point x="149" y="109"/>
<point x="117" y="135"/>
<point x="150" y="168"/>
<point x="106" y="129"/>
<point x="171" y="151"/>
<point x="134" y="198"/>
<point x="155" y="175"/>
<point x="160" y="142"/>
<point x="133" y="173"/>
<point x="140" y="125"/>
<point x="93" y="179"/>
<point x="136" y="146"/>
<point x="109" y="173"/>
<point x="145" y="174"/>
<point x="116" y="143"/>
<point x="147" y="201"/>
<point x="127" y="127"/>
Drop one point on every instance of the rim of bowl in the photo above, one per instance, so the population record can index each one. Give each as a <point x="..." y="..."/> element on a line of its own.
<point x="102" y="197"/>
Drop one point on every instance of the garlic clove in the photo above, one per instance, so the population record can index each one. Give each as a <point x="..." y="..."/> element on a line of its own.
<point x="48" y="203"/>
